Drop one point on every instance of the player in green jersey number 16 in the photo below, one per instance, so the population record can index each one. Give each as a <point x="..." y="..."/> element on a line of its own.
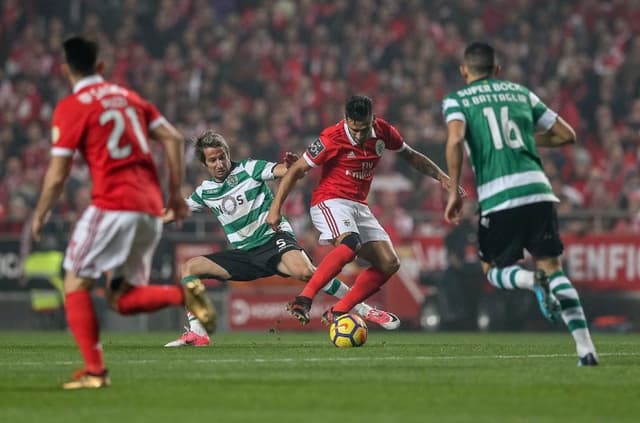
<point x="502" y="123"/>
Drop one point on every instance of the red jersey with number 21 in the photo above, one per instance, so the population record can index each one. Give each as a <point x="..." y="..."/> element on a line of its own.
<point x="347" y="168"/>
<point x="109" y="125"/>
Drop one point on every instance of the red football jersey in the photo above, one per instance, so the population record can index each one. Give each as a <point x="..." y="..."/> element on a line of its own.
<point x="347" y="168"/>
<point x="109" y="125"/>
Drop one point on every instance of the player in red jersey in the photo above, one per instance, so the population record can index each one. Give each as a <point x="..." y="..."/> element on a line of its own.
<point x="348" y="153"/>
<point x="118" y="233"/>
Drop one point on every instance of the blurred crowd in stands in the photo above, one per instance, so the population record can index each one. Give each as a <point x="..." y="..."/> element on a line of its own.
<point x="269" y="75"/>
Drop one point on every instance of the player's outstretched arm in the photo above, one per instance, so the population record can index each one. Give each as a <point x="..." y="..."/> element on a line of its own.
<point x="53" y="184"/>
<point x="295" y="172"/>
<point x="167" y="216"/>
<point x="561" y="133"/>
<point x="426" y="166"/>
<point x="422" y="163"/>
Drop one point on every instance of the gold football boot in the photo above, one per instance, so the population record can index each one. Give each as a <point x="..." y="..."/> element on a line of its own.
<point x="197" y="301"/>
<point x="84" y="380"/>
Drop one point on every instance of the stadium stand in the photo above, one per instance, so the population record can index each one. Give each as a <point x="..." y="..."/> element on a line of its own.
<point x="270" y="75"/>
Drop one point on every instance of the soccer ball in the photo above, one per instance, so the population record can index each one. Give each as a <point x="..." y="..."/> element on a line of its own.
<point x="348" y="330"/>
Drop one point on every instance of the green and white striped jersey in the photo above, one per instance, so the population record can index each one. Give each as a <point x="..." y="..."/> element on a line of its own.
<point x="241" y="203"/>
<point x="500" y="118"/>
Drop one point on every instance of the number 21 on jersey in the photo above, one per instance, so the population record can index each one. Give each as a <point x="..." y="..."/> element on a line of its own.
<point x="503" y="129"/>
<point x="119" y="119"/>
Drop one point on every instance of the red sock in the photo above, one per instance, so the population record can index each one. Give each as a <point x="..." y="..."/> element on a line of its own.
<point x="83" y="323"/>
<point x="140" y="299"/>
<point x="329" y="267"/>
<point x="367" y="283"/>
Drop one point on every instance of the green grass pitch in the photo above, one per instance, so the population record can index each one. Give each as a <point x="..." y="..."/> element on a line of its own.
<point x="302" y="378"/>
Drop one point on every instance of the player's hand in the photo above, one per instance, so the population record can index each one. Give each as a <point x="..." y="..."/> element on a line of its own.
<point x="445" y="182"/>
<point x="37" y="223"/>
<point x="453" y="210"/>
<point x="273" y="219"/>
<point x="179" y="207"/>
<point x="167" y="216"/>
<point x="290" y="158"/>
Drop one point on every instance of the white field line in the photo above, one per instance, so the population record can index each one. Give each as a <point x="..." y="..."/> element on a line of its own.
<point x="339" y="359"/>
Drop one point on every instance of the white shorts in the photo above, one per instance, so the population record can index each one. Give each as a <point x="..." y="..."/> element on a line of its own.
<point x="122" y="242"/>
<point x="337" y="216"/>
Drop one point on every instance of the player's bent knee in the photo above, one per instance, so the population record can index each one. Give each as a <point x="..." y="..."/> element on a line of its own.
<point x="391" y="267"/>
<point x="305" y="274"/>
<point x="352" y="241"/>
<point x="112" y="299"/>
<point x="117" y="287"/>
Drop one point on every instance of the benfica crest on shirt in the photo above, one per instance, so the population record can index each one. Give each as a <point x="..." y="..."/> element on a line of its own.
<point x="379" y="147"/>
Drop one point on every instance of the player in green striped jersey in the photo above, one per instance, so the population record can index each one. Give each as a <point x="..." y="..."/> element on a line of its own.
<point x="239" y="197"/>
<point x="501" y="123"/>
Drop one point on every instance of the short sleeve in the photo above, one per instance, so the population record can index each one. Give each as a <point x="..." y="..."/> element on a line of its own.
<point x="67" y="129"/>
<point x="543" y="117"/>
<point x="393" y="140"/>
<point x="195" y="202"/>
<point x="153" y="115"/>
<point x="452" y="110"/>
<point x="320" y="151"/>
<point x="260" y="170"/>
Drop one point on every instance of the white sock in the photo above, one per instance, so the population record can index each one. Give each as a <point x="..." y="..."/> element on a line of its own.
<point x="338" y="289"/>
<point x="511" y="277"/>
<point x="195" y="325"/>
<point x="572" y="312"/>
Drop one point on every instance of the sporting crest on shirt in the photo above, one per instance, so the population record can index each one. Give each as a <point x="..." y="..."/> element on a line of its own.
<point x="315" y="148"/>
<point x="232" y="180"/>
<point x="379" y="147"/>
<point x="346" y="222"/>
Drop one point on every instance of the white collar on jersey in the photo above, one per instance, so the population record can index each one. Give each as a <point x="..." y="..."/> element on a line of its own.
<point x="351" y="140"/>
<point x="86" y="81"/>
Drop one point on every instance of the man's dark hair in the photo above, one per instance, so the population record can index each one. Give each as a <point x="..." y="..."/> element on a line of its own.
<point x="209" y="139"/>
<point x="480" y="58"/>
<point x="81" y="54"/>
<point x="359" y="108"/>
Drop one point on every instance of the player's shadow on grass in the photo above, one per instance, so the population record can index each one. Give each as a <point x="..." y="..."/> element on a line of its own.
<point x="31" y="389"/>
